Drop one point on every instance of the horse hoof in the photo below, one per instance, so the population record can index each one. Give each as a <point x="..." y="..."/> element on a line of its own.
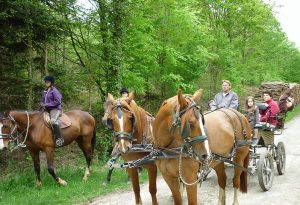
<point x="38" y="184"/>
<point x="62" y="182"/>
<point x="85" y="179"/>
<point x="104" y="183"/>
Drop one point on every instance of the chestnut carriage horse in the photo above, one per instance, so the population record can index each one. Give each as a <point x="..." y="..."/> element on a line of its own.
<point x="180" y="123"/>
<point x="131" y="125"/>
<point x="37" y="136"/>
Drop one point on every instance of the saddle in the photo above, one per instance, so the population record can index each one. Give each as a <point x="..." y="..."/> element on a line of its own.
<point x="64" y="120"/>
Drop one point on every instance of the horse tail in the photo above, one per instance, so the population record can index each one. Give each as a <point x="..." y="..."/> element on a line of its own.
<point x="94" y="139"/>
<point x="243" y="177"/>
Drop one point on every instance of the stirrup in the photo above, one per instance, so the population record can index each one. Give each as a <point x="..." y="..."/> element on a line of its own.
<point x="59" y="142"/>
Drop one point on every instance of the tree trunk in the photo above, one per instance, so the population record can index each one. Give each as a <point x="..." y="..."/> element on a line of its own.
<point x="30" y="76"/>
<point x="46" y="59"/>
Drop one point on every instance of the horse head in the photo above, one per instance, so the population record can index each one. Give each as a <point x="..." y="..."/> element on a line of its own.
<point x="121" y="119"/>
<point x="192" y="124"/>
<point x="181" y="119"/>
<point x="7" y="130"/>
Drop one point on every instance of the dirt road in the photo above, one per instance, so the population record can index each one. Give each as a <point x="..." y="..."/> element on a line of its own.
<point x="285" y="189"/>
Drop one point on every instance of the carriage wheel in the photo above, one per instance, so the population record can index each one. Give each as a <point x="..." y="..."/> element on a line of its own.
<point x="280" y="158"/>
<point x="265" y="170"/>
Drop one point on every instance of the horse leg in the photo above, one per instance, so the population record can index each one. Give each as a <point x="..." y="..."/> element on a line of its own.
<point x="132" y="172"/>
<point x="240" y="177"/>
<point x="192" y="194"/>
<point x="86" y="148"/>
<point x="174" y="185"/>
<point x="152" y="173"/>
<point x="220" y="171"/>
<point x="49" y="156"/>
<point x="35" y="155"/>
<point x="189" y="176"/>
<point x="108" y="177"/>
<point x="236" y="184"/>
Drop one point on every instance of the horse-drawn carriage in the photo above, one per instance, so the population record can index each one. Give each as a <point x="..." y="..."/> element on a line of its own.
<point x="185" y="144"/>
<point x="265" y="153"/>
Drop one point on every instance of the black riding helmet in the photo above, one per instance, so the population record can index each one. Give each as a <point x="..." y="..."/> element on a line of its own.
<point x="124" y="90"/>
<point x="49" y="78"/>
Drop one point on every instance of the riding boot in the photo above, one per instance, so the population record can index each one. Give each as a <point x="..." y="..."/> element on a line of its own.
<point x="59" y="140"/>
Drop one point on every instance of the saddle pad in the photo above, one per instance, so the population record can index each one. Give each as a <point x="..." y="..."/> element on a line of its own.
<point x="65" y="121"/>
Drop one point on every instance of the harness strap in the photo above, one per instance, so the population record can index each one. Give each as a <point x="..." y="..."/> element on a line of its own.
<point x="128" y="136"/>
<point x="197" y="139"/>
<point x="228" y="160"/>
<point x="232" y="123"/>
<point x="241" y="122"/>
<point x="177" y="123"/>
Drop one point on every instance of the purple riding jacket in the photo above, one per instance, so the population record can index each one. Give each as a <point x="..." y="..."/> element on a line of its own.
<point x="52" y="99"/>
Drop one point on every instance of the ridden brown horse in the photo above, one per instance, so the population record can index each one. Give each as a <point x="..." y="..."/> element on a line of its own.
<point x="220" y="129"/>
<point x="37" y="136"/>
<point x="131" y="126"/>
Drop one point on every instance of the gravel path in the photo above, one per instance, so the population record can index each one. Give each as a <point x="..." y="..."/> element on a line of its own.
<point x="285" y="189"/>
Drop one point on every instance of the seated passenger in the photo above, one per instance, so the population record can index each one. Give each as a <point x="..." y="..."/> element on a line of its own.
<point x="272" y="109"/>
<point x="252" y="114"/>
<point x="286" y="102"/>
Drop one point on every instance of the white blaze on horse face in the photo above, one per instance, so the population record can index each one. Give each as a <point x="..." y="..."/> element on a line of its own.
<point x="204" y="134"/>
<point x="121" y="130"/>
<point x="1" y="140"/>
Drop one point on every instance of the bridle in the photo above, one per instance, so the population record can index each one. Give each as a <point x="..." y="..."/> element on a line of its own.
<point x="119" y="107"/>
<point x="188" y="141"/>
<point x="11" y="137"/>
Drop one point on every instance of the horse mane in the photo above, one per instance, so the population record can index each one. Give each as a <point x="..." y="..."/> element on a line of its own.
<point x="173" y="101"/>
<point x="30" y="113"/>
<point x="137" y="117"/>
<point x="142" y="120"/>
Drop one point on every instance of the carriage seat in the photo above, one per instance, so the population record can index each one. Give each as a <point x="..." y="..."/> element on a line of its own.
<point x="269" y="127"/>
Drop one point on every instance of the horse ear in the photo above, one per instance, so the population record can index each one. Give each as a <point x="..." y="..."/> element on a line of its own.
<point x="197" y="95"/>
<point x="130" y="97"/>
<point x="5" y="113"/>
<point x="110" y="97"/>
<point x="182" y="102"/>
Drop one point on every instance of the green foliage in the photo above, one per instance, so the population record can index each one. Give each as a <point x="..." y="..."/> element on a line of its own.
<point x="291" y="115"/>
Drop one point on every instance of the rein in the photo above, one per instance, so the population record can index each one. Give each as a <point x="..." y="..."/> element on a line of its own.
<point x="10" y="136"/>
<point x="22" y="144"/>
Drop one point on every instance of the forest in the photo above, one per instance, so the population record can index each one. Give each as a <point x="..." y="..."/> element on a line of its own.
<point x="152" y="47"/>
